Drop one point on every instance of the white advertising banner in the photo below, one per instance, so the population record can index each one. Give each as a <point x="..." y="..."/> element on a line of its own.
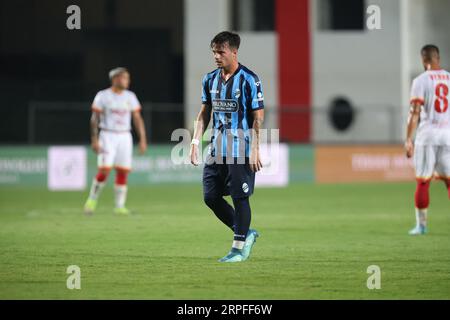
<point x="67" y="168"/>
<point x="275" y="160"/>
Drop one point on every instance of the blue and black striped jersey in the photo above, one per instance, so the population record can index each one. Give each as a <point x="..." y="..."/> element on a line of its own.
<point x="232" y="103"/>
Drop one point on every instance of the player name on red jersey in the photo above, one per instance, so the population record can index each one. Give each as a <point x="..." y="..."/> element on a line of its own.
<point x="439" y="77"/>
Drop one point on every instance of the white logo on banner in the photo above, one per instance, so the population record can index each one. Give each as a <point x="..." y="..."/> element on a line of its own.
<point x="67" y="168"/>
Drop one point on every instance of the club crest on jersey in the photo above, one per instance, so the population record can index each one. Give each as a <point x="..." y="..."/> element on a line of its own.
<point x="237" y="93"/>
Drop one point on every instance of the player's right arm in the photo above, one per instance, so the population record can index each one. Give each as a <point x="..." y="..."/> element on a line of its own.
<point x="97" y="108"/>
<point x="95" y="119"/>
<point x="201" y="123"/>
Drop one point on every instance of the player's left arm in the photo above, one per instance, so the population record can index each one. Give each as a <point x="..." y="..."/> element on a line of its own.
<point x="139" y="125"/>
<point x="257" y="107"/>
<point x="255" y="157"/>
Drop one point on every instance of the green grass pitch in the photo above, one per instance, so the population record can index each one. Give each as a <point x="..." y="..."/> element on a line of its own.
<point x="316" y="243"/>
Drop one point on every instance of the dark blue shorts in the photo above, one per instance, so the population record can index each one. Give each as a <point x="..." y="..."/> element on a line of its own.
<point x="234" y="179"/>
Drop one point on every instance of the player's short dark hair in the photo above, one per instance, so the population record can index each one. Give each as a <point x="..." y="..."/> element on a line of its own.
<point x="223" y="37"/>
<point x="429" y="51"/>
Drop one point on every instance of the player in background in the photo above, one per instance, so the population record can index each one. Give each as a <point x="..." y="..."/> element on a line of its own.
<point x="430" y="115"/>
<point x="112" y="111"/>
<point x="232" y="94"/>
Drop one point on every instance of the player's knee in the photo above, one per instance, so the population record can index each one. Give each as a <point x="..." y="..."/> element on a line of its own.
<point x="121" y="177"/>
<point x="102" y="174"/>
<point x="211" y="202"/>
<point x="423" y="185"/>
<point x="241" y="202"/>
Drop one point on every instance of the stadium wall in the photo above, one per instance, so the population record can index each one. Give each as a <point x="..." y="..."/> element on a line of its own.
<point x="343" y="67"/>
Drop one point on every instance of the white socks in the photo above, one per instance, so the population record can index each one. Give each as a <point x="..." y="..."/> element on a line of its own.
<point x="119" y="190"/>
<point x="238" y="244"/>
<point x="120" y="195"/>
<point x="421" y="217"/>
<point x="96" y="189"/>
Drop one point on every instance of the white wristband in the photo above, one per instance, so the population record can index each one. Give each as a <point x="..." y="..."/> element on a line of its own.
<point x="195" y="141"/>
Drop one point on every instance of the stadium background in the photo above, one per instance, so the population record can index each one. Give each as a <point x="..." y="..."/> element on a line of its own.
<point x="327" y="79"/>
<point x="337" y="91"/>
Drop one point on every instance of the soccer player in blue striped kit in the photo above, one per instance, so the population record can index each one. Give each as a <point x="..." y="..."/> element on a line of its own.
<point x="233" y="95"/>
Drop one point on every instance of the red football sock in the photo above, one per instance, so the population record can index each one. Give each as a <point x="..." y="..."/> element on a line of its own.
<point x="422" y="196"/>
<point x="101" y="176"/>
<point x="121" y="177"/>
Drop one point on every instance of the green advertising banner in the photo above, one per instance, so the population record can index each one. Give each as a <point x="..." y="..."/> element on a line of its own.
<point x="29" y="166"/>
<point x="23" y="165"/>
<point x="301" y="163"/>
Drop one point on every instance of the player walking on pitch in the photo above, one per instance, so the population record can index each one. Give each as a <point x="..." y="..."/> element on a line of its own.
<point x="112" y="111"/>
<point x="430" y="114"/>
<point x="233" y="95"/>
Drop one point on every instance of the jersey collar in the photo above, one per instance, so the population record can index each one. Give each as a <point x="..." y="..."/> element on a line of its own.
<point x="231" y="77"/>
